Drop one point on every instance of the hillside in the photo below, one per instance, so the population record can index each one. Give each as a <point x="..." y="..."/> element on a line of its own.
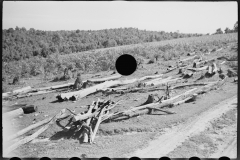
<point x="20" y="44"/>
<point x="104" y="59"/>
<point x="196" y="118"/>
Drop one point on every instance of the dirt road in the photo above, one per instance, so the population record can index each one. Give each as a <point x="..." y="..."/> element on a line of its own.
<point x="173" y="138"/>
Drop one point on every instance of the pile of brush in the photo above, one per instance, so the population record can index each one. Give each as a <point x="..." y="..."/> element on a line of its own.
<point x="91" y="119"/>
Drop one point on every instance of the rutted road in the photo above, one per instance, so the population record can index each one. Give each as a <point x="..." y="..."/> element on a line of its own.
<point x="173" y="138"/>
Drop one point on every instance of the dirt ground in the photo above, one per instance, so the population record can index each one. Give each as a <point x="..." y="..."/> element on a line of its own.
<point x="125" y="137"/>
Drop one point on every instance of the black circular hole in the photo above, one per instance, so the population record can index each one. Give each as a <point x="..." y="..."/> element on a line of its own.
<point x="126" y="64"/>
<point x="134" y="158"/>
<point x="164" y="158"/>
<point x="15" y="158"/>
<point x="74" y="158"/>
<point x="224" y="158"/>
<point x="45" y="158"/>
<point x="194" y="158"/>
<point x="104" y="158"/>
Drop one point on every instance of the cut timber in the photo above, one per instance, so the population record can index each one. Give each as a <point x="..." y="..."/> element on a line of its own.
<point x="215" y="68"/>
<point x="189" y="84"/>
<point x="82" y="117"/>
<point x="144" y="108"/>
<point x="6" y="94"/>
<point x="155" y="80"/>
<point x="187" y="59"/>
<point x="13" y="113"/>
<point x="163" y="81"/>
<point x="29" y="138"/>
<point x="150" y="77"/>
<point x="219" y="50"/>
<point x="85" y="134"/>
<point x="55" y="87"/>
<point x="210" y="70"/>
<point x="223" y="62"/>
<point x="25" y="89"/>
<point x="105" y="79"/>
<point x="206" y="61"/>
<point x="97" y="125"/>
<point x="198" y="69"/>
<point x="25" y="130"/>
<point x="191" y="94"/>
<point x="82" y="93"/>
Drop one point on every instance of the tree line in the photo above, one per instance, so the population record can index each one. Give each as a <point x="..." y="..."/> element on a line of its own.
<point x="20" y="43"/>
<point x="227" y="30"/>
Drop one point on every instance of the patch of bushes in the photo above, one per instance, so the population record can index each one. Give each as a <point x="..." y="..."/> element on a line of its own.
<point x="104" y="59"/>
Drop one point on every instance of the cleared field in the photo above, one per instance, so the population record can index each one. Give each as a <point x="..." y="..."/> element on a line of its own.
<point x="121" y="137"/>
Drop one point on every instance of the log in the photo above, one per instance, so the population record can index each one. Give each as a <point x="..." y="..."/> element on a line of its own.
<point x="210" y="70"/>
<point x="155" y="80"/>
<point x="25" y="89"/>
<point x="54" y="87"/>
<point x="99" y="80"/>
<point x="170" y="102"/>
<point x="163" y="81"/>
<point x="198" y="69"/>
<point x="97" y="125"/>
<point x="206" y="61"/>
<point x="219" y="50"/>
<point x="29" y="138"/>
<point x="80" y="117"/>
<point x="187" y="59"/>
<point x="184" y="100"/>
<point x="85" y="134"/>
<point x="6" y="94"/>
<point x="82" y="93"/>
<point x="187" y="85"/>
<point x="31" y="127"/>
<point x="162" y="110"/>
<point x="215" y="68"/>
<point x="13" y="113"/>
<point x="223" y="62"/>
<point x="143" y="109"/>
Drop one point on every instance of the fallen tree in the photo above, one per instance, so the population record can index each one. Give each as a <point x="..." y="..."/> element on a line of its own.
<point x="33" y="136"/>
<point x="100" y="80"/>
<point x="82" y="93"/>
<point x="198" y="69"/>
<point x="191" y="94"/>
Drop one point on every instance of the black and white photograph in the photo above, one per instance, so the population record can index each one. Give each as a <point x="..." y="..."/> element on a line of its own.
<point x="119" y="79"/>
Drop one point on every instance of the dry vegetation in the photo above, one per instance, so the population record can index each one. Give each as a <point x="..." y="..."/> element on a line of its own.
<point x="153" y="58"/>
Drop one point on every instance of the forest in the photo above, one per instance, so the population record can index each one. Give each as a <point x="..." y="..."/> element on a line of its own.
<point x="19" y="43"/>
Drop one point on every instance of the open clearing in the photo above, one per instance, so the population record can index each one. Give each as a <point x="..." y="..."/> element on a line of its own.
<point x="205" y="127"/>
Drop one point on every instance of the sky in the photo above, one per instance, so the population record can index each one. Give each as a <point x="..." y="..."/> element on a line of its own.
<point x="186" y="17"/>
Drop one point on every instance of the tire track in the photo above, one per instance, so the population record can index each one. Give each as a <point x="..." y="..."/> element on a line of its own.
<point x="176" y="136"/>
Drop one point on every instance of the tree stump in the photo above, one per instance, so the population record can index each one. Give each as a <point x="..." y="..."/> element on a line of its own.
<point x="78" y="82"/>
<point x="16" y="80"/>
